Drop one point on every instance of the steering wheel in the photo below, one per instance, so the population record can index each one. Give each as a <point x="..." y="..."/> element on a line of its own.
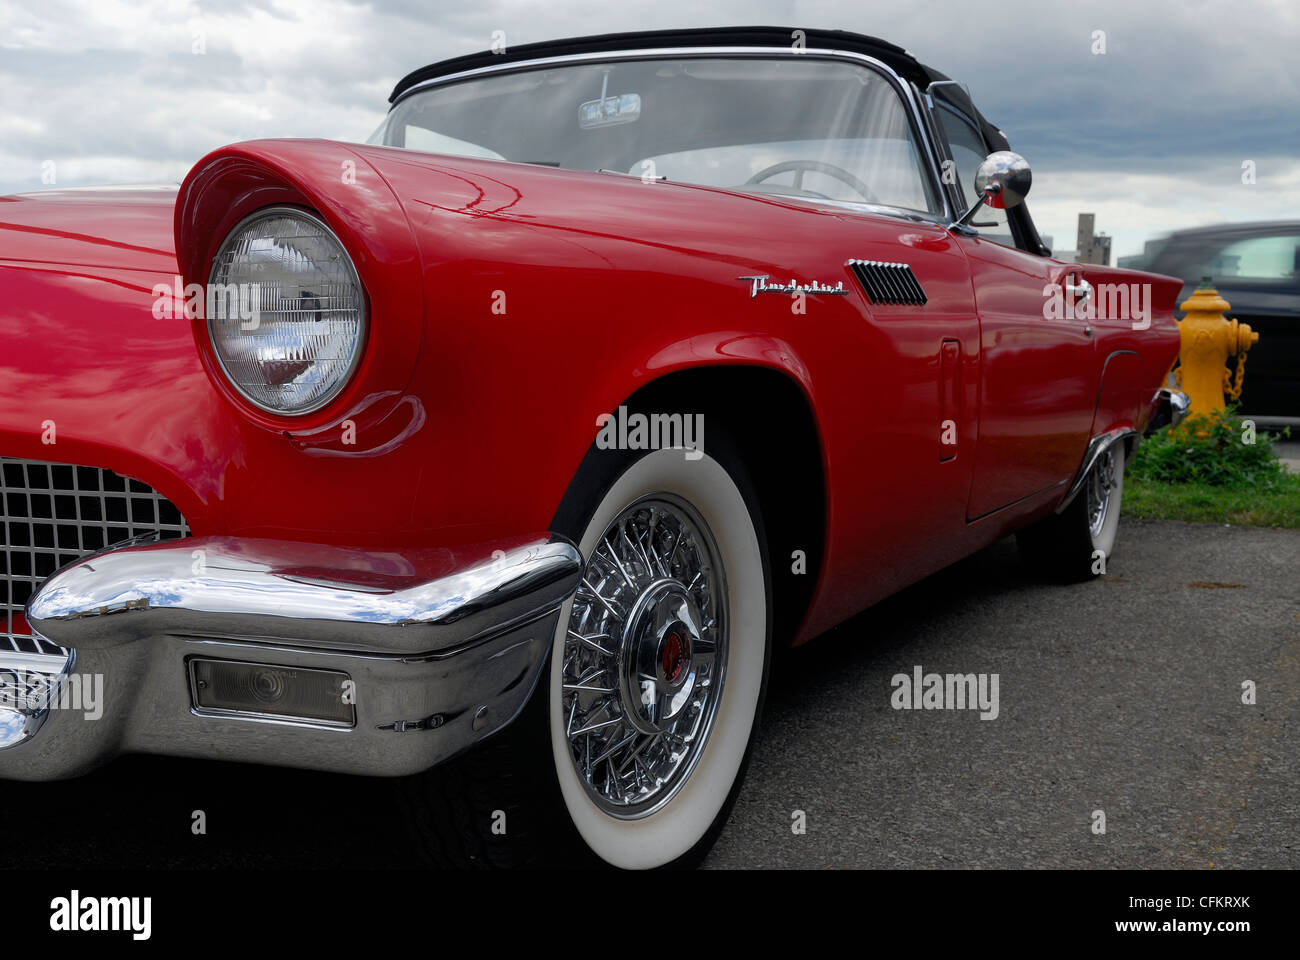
<point x="800" y="167"/>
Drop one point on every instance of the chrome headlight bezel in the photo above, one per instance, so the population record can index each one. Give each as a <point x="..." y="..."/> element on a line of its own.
<point x="358" y="347"/>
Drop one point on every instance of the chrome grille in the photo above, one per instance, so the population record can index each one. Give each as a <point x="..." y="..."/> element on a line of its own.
<point x="53" y="513"/>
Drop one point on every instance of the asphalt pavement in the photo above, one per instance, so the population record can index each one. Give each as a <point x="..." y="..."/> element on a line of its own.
<point x="1122" y="696"/>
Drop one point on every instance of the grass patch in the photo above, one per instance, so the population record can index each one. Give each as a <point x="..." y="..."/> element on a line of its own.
<point x="1277" y="505"/>
<point x="1212" y="469"/>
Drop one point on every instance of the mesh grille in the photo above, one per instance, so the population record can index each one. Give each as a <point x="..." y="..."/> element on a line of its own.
<point x="53" y="513"/>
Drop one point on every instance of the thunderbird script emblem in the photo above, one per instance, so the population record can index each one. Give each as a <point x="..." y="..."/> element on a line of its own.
<point x="760" y="285"/>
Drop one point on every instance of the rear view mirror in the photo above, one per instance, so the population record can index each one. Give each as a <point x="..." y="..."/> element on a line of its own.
<point x="1001" y="181"/>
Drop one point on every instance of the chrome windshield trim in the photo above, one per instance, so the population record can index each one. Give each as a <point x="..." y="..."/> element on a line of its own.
<point x="817" y="53"/>
<point x="857" y="206"/>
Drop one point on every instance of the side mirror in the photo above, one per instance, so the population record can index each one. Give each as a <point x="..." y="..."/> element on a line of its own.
<point x="1002" y="181"/>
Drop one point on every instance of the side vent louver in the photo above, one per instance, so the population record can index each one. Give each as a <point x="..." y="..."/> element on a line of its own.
<point x="892" y="283"/>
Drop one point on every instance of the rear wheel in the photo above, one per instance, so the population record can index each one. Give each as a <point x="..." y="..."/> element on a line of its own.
<point x="1075" y="544"/>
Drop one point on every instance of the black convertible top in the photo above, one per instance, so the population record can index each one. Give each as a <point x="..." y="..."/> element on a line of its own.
<point x="896" y="57"/>
<point x="902" y="62"/>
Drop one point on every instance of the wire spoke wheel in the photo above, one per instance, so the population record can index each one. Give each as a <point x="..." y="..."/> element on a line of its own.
<point x="645" y="656"/>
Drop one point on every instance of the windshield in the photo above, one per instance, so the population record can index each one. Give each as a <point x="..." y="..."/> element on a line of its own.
<point x="804" y="128"/>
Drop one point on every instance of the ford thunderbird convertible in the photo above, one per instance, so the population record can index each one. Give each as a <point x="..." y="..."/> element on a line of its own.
<point x="604" y="369"/>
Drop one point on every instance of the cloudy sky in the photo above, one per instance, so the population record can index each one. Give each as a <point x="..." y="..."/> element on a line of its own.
<point x="1151" y="135"/>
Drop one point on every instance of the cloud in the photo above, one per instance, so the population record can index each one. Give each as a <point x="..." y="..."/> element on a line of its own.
<point x="1135" y="207"/>
<point x="1147" y="134"/>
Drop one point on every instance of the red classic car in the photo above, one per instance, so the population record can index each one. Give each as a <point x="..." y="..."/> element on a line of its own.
<point x="605" y="367"/>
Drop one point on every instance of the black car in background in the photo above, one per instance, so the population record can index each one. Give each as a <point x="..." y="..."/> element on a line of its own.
<point x="1256" y="268"/>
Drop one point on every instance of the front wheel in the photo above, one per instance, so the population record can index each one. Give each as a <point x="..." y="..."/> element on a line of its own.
<point x="659" y="661"/>
<point x="632" y="750"/>
<point x="1076" y="544"/>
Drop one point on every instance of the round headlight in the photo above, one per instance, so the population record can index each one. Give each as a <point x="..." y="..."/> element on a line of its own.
<point x="290" y="314"/>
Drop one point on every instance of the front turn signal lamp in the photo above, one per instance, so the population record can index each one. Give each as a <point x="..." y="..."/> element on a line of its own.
<point x="262" y="691"/>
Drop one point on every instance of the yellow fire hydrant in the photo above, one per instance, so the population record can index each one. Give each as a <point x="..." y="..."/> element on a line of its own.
<point x="1208" y="338"/>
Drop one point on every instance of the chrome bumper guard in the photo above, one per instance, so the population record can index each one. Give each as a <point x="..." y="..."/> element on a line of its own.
<point x="1171" y="409"/>
<point x="442" y="648"/>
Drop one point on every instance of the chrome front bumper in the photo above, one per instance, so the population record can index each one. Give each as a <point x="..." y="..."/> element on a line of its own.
<point x="443" y="648"/>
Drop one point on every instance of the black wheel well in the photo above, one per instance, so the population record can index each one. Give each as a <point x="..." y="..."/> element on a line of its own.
<point x="767" y="416"/>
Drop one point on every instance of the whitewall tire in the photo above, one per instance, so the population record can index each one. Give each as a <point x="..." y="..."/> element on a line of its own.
<point x="673" y="670"/>
<point x="1077" y="543"/>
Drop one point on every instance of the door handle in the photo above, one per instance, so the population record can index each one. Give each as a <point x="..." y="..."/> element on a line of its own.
<point x="1081" y="291"/>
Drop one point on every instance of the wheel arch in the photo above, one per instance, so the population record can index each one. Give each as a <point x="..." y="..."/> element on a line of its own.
<point x="1119" y="394"/>
<point x="767" y="414"/>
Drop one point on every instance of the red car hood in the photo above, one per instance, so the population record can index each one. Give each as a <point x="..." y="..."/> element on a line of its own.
<point x="125" y="228"/>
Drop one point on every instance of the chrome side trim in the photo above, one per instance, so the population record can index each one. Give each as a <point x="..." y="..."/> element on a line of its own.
<point x="822" y="53"/>
<point x="316" y="596"/>
<point x="1096" y="447"/>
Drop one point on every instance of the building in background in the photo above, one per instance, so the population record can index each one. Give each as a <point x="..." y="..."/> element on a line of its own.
<point x="1093" y="247"/>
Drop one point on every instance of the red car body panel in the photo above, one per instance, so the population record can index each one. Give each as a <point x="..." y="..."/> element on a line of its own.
<point x="471" y="423"/>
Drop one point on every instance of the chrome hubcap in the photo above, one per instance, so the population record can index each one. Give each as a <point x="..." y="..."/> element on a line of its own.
<point x="644" y="656"/>
<point x="655" y="671"/>
<point x="1099" y="486"/>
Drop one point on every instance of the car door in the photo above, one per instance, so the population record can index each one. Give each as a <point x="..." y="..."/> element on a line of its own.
<point x="1037" y="379"/>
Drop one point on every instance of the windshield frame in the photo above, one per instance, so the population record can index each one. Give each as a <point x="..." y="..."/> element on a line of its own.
<point x="926" y="156"/>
